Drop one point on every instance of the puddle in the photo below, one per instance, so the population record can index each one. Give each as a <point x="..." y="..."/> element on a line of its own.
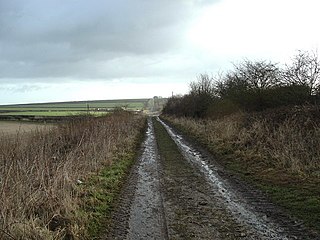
<point x="147" y="215"/>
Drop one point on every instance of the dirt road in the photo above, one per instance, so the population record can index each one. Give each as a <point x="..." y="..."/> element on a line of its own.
<point x="178" y="191"/>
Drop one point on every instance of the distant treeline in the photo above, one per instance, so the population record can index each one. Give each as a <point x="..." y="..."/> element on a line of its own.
<point x="251" y="86"/>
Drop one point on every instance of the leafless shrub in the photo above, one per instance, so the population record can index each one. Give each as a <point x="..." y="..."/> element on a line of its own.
<point x="258" y="74"/>
<point x="304" y="70"/>
<point x="203" y="86"/>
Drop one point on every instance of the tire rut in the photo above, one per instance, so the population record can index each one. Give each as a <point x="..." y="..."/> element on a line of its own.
<point x="140" y="214"/>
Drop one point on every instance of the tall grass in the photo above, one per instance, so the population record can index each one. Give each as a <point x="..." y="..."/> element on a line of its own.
<point x="40" y="173"/>
<point x="287" y="139"/>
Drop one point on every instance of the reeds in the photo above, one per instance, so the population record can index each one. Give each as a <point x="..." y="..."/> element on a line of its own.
<point x="40" y="173"/>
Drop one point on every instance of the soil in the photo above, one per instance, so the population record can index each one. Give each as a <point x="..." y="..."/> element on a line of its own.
<point x="140" y="213"/>
<point x="13" y="127"/>
<point x="177" y="190"/>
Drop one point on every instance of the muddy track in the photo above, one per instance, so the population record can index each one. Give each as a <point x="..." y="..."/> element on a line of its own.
<point x="178" y="191"/>
<point x="140" y="213"/>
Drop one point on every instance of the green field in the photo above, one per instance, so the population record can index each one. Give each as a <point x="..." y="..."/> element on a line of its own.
<point x="73" y="108"/>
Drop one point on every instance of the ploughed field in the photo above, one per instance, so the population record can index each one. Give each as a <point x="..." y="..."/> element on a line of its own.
<point x="13" y="127"/>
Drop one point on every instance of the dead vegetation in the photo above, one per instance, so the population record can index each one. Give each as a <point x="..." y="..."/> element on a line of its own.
<point x="284" y="138"/>
<point x="42" y="172"/>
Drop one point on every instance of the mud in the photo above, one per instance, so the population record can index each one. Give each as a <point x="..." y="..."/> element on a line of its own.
<point x="141" y="210"/>
<point x="193" y="197"/>
<point x="147" y="216"/>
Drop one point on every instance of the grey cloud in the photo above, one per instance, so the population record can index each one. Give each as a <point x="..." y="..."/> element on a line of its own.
<point x="58" y="38"/>
<point x="20" y="88"/>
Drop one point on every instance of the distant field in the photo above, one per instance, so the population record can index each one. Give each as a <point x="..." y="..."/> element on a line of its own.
<point x="44" y="113"/>
<point x="73" y="108"/>
<point x="129" y="103"/>
<point x="13" y="127"/>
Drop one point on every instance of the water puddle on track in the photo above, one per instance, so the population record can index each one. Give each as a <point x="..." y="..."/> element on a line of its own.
<point x="147" y="219"/>
<point x="242" y="211"/>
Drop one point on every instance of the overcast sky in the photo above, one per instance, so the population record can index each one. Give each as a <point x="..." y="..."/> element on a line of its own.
<point x="58" y="50"/>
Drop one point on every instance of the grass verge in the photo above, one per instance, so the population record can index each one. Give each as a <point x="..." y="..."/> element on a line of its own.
<point x="167" y="147"/>
<point x="101" y="192"/>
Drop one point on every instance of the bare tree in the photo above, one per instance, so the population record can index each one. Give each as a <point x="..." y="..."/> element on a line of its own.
<point x="258" y="74"/>
<point x="304" y="70"/>
<point x="247" y="76"/>
<point x="204" y="86"/>
<point x="230" y="84"/>
<point x="201" y="94"/>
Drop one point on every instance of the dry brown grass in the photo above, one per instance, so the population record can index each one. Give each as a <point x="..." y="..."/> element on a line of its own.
<point x="287" y="139"/>
<point x="39" y="173"/>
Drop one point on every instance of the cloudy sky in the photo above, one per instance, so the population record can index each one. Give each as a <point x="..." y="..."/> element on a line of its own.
<point x="58" y="50"/>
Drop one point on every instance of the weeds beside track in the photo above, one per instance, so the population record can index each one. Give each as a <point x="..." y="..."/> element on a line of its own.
<point x="44" y="174"/>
